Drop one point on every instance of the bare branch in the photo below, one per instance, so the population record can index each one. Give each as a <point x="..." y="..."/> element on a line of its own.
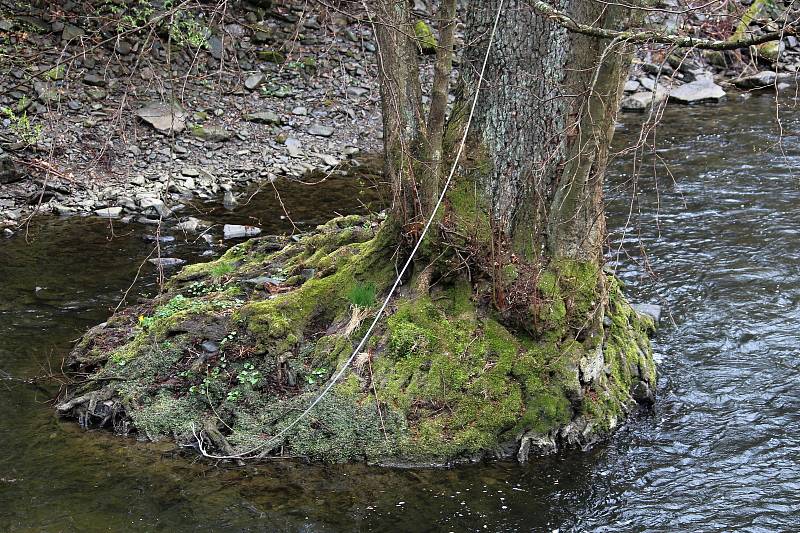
<point x="651" y="36"/>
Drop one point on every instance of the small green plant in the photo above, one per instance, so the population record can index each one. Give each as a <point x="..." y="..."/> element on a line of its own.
<point x="362" y="295"/>
<point x="222" y="269"/>
<point x="230" y="337"/>
<point x="26" y="132"/>
<point x="249" y="375"/>
<point x="186" y="30"/>
<point x="177" y="304"/>
<point x="315" y="374"/>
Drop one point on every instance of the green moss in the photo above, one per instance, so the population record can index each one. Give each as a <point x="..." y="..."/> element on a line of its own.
<point x="166" y="415"/>
<point x="453" y="382"/>
<point x="425" y="38"/>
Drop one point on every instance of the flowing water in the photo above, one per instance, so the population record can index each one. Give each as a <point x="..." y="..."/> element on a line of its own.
<point x="715" y="239"/>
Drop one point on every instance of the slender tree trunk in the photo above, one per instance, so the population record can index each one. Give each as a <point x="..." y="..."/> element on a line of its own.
<point x="403" y="116"/>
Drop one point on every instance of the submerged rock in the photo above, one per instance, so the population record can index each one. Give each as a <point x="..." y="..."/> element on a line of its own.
<point x="650" y="310"/>
<point x="701" y="90"/>
<point x="167" y="261"/>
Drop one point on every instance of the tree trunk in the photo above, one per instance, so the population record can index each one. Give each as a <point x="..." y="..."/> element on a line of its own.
<point x="537" y="149"/>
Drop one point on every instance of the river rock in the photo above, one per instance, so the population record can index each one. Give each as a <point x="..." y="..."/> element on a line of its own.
<point x="631" y="86"/>
<point x="8" y="174"/>
<point x="163" y="117"/>
<point x="263" y="117"/>
<point x="167" y="261"/>
<point x="94" y="80"/>
<point x="212" y="133"/>
<point x="70" y="32"/>
<point x="765" y="78"/>
<point x="592" y="365"/>
<point x="109" y="212"/>
<point x="236" y="231"/>
<point x="641" y="101"/>
<point x="320" y="131"/>
<point x="700" y="90"/>
<point x="189" y="225"/>
<point x="651" y="310"/>
<point x="294" y="147"/>
<point x="253" y="81"/>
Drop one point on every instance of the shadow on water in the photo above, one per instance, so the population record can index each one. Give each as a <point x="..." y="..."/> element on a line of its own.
<point x="719" y="452"/>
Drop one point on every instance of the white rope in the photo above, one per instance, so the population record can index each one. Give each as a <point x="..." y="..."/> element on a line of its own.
<point x="274" y="440"/>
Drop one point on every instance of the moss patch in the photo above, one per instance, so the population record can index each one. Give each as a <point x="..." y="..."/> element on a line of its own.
<point x="247" y="342"/>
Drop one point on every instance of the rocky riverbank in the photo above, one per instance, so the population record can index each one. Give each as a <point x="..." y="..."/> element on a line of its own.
<point x="271" y="90"/>
<point x="278" y="93"/>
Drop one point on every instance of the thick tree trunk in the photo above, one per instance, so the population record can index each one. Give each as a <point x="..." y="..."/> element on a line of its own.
<point x="538" y="145"/>
<point x="545" y="120"/>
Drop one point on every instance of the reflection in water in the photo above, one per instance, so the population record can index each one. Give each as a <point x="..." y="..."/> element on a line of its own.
<point x="719" y="452"/>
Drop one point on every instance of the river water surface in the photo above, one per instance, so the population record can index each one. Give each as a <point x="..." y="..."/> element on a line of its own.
<point x="714" y="237"/>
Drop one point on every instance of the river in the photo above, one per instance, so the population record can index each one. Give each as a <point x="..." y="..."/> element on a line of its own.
<point x="714" y="237"/>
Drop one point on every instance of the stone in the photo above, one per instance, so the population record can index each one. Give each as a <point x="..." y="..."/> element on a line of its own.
<point x="109" y="212"/>
<point x="71" y="32"/>
<point x="156" y="205"/>
<point x="189" y="225"/>
<point x="215" y="47"/>
<point x="591" y="365"/>
<point x="320" y="131"/>
<point x="294" y="147"/>
<point x="123" y="47"/>
<point x="236" y="231"/>
<point x="271" y="56"/>
<point x="166" y="118"/>
<point x="190" y="172"/>
<point x="211" y="133"/>
<point x="300" y="111"/>
<point x="651" y="310"/>
<point x="96" y="94"/>
<point x="761" y="80"/>
<point x="229" y="201"/>
<point x="640" y="101"/>
<point x="46" y="93"/>
<point x="263" y="117"/>
<point x="631" y="86"/>
<point x="700" y="90"/>
<point x="260" y="281"/>
<point x="94" y="80"/>
<point x="648" y="83"/>
<point x="657" y="70"/>
<point x="357" y="91"/>
<point x="8" y="173"/>
<point x="167" y="261"/>
<point x="210" y="347"/>
<point x="771" y="51"/>
<point x="253" y="81"/>
<point x="328" y="160"/>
